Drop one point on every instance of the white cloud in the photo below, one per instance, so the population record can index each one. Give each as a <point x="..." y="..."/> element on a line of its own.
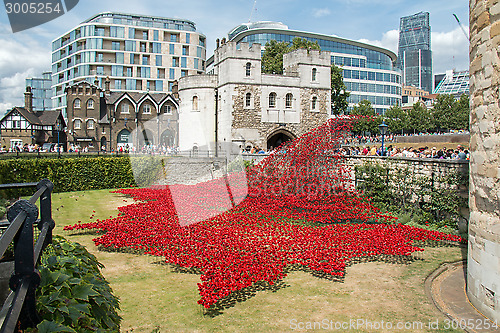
<point x="389" y="41"/>
<point x="320" y="12"/>
<point x="450" y="50"/>
<point x="21" y="56"/>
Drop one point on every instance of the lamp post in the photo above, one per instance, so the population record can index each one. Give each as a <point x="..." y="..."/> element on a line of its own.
<point x="383" y="132"/>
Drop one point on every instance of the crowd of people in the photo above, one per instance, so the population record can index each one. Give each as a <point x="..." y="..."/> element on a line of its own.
<point x="459" y="153"/>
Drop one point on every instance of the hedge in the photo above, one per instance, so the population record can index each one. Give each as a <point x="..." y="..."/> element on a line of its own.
<point x="80" y="174"/>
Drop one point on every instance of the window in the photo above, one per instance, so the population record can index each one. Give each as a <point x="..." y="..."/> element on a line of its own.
<point x="172" y="48"/>
<point x="119" y="58"/>
<point x="173" y="38"/>
<point x="115" y="45"/>
<point x="171" y="74"/>
<point x="77" y="103"/>
<point x="116" y="70"/>
<point x="288" y="101"/>
<point x="183" y="62"/>
<point x="130" y="45"/>
<point x="146" y="109"/>
<point x="90" y="124"/>
<point x="145" y="35"/>
<point x="159" y="85"/>
<point x="184" y="73"/>
<point x="90" y="104"/>
<point x="158" y="60"/>
<point x="175" y="62"/>
<point x="314" y="103"/>
<point x="188" y="38"/>
<point x="248" y="68"/>
<point x="125" y="108"/>
<point x="16" y="124"/>
<point x="248" y="99"/>
<point x="131" y="33"/>
<point x="314" y="74"/>
<point x="155" y="35"/>
<point x="185" y="50"/>
<point x="77" y="124"/>
<point x="145" y="60"/>
<point x="272" y="100"/>
<point x="132" y="59"/>
<point x="168" y="109"/>
<point x="118" y="84"/>
<point x="117" y="32"/>
<point x="195" y="102"/>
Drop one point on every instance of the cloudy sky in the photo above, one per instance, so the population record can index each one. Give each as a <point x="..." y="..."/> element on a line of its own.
<point x="27" y="54"/>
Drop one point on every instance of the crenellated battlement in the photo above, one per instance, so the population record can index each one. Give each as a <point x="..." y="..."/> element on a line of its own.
<point x="241" y="50"/>
<point x="306" y="57"/>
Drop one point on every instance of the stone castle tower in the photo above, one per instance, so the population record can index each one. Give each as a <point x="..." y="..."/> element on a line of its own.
<point x="253" y="108"/>
<point x="483" y="264"/>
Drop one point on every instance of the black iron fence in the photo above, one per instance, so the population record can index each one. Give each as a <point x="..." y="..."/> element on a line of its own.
<point x="19" y="310"/>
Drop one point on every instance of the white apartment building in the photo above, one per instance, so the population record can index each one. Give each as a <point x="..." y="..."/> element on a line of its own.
<point x="138" y="53"/>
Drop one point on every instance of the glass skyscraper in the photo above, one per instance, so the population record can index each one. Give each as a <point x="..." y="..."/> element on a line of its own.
<point x="138" y="53"/>
<point x="414" y="51"/>
<point x="369" y="71"/>
<point x="41" y="90"/>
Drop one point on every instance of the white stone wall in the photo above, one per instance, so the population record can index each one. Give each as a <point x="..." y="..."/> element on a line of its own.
<point x="196" y="126"/>
<point x="255" y="123"/>
<point x="483" y="264"/>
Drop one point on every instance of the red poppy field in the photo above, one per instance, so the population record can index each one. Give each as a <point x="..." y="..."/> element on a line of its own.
<point x="298" y="210"/>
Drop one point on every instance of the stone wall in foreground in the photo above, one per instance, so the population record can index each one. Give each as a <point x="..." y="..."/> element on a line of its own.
<point x="483" y="264"/>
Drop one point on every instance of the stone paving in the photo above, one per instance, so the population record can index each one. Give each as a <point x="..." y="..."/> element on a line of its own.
<point x="446" y="288"/>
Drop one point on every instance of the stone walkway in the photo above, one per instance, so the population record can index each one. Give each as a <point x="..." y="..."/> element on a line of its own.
<point x="446" y="288"/>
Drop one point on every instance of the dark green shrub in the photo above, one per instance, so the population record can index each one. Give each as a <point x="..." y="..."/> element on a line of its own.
<point x="79" y="174"/>
<point x="73" y="296"/>
<point x="425" y="200"/>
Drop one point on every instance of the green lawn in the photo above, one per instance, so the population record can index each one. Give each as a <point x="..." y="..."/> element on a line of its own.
<point x="153" y="297"/>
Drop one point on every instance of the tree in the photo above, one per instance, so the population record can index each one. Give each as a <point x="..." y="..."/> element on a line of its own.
<point x="396" y="119"/>
<point x="272" y="59"/>
<point x="339" y="93"/>
<point x="419" y="118"/>
<point x="366" y="121"/>
<point x="443" y="112"/>
<point x="461" y="112"/>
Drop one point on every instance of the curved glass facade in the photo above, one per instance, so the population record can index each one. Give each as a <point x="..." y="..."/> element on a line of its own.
<point x="374" y="59"/>
<point x="369" y="71"/>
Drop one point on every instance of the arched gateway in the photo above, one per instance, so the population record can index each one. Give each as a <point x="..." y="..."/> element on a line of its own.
<point x="276" y="138"/>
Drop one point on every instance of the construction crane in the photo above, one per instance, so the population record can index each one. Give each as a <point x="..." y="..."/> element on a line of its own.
<point x="461" y="27"/>
<point x="254" y="8"/>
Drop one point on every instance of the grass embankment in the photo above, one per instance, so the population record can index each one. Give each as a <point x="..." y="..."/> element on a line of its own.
<point x="153" y="297"/>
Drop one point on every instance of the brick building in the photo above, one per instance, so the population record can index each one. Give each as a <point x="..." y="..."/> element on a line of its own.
<point x="23" y="125"/>
<point x="99" y="118"/>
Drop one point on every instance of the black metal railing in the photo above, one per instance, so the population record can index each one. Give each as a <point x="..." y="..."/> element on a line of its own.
<point x="19" y="310"/>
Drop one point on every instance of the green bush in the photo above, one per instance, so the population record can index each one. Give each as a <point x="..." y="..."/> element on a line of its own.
<point x="79" y="174"/>
<point x="73" y="296"/>
<point x="420" y="200"/>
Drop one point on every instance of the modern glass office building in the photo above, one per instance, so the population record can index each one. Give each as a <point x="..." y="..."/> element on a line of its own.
<point x="138" y="53"/>
<point x="369" y="71"/>
<point x="454" y="83"/>
<point x="41" y="90"/>
<point x="414" y="51"/>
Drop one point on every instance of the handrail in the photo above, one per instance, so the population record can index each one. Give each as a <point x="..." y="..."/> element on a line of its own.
<point x="20" y="307"/>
